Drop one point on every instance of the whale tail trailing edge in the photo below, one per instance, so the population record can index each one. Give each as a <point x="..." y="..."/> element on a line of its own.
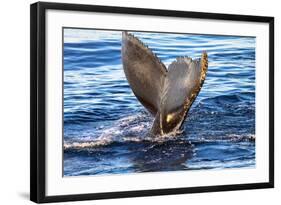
<point x="166" y="93"/>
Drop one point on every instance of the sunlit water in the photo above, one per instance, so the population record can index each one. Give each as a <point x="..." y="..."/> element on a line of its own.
<point x="105" y="127"/>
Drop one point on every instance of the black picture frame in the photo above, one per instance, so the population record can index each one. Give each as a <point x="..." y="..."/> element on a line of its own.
<point x="38" y="101"/>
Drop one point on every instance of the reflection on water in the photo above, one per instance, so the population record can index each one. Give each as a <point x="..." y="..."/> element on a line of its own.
<point x="106" y="128"/>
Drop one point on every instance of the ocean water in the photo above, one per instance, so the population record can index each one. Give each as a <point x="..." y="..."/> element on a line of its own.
<point x="105" y="127"/>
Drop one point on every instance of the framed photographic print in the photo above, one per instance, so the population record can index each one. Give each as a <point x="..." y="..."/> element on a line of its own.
<point x="129" y="102"/>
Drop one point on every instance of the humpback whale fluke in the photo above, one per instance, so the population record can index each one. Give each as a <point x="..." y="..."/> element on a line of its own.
<point x="166" y="93"/>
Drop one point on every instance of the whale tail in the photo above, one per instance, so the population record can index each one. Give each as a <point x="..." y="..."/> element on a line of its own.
<point x="166" y="93"/>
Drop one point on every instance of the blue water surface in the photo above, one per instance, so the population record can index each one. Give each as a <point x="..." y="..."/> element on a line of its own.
<point x="105" y="127"/>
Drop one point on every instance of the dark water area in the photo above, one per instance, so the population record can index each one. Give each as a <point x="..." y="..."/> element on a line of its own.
<point x="106" y="128"/>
